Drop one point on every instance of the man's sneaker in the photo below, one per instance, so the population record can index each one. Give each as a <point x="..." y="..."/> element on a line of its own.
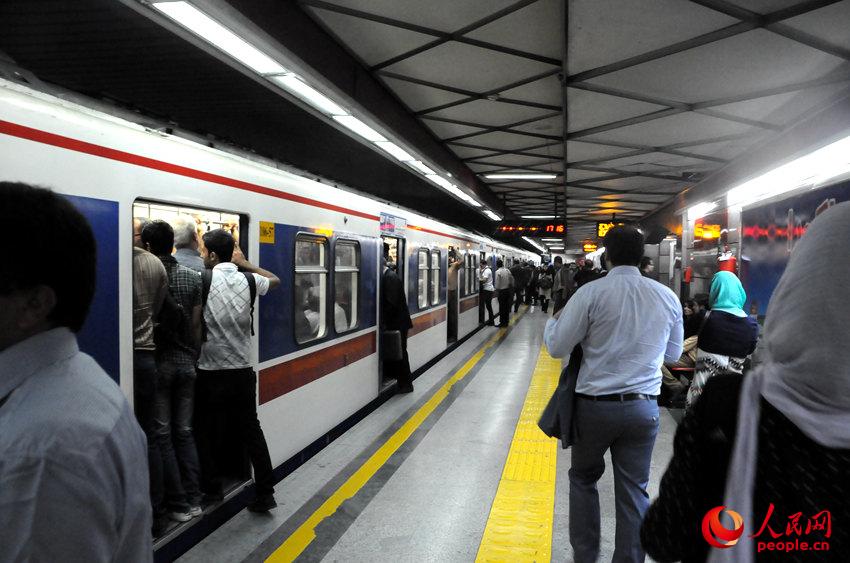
<point x="262" y="504"/>
<point x="180" y="516"/>
<point x="195" y="511"/>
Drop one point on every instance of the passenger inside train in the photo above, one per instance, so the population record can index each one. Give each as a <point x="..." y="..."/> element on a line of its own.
<point x="257" y="251"/>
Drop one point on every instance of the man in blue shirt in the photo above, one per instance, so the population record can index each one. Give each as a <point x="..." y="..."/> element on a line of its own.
<point x="627" y="325"/>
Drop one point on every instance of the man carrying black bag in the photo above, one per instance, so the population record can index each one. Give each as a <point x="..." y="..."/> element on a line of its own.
<point x="395" y="323"/>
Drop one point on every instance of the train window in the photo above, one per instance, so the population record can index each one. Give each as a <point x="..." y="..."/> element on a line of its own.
<point x="435" y="277"/>
<point x="474" y="274"/>
<point x="423" y="279"/>
<point x="205" y="219"/>
<point x="311" y="282"/>
<point x="346" y="284"/>
<point x="470" y="273"/>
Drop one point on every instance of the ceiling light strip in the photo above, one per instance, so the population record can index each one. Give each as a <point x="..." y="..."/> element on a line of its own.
<point x="534" y="244"/>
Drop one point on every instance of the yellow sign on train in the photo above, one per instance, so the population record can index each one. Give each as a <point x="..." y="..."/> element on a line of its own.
<point x="266" y="232"/>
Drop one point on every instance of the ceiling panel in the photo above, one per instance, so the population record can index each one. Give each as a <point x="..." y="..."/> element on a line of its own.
<point x="544" y="91"/>
<point x="764" y="6"/>
<point x="729" y="149"/>
<point x="785" y="108"/>
<point x="549" y="150"/>
<point x="660" y="162"/>
<point x="443" y="15"/>
<point x="605" y="31"/>
<point x="633" y="183"/>
<point x="588" y="109"/>
<point x="418" y="97"/>
<point x="829" y="23"/>
<point x="578" y="151"/>
<point x="372" y="42"/>
<point x="679" y="128"/>
<point x="550" y="126"/>
<point x="745" y="63"/>
<point x="492" y="113"/>
<point x="535" y="29"/>
<point x="499" y="140"/>
<point x="445" y="130"/>
<point x="574" y="175"/>
<point x="466" y="152"/>
<point x="472" y="68"/>
<point x="518" y="160"/>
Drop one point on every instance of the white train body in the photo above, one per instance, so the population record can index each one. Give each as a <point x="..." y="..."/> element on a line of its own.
<point x="106" y="164"/>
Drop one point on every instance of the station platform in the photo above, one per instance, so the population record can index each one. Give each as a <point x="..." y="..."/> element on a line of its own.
<point x="455" y="471"/>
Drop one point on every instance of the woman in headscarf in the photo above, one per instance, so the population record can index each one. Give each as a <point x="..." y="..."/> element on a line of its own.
<point x="727" y="335"/>
<point x="789" y="421"/>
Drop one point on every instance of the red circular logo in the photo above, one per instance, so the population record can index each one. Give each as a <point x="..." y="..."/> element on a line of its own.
<point x="716" y="534"/>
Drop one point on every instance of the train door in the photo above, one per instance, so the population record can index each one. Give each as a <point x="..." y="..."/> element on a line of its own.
<point x="189" y="225"/>
<point x="455" y="280"/>
<point x="394" y="250"/>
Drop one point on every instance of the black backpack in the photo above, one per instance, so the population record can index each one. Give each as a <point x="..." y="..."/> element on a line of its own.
<point x="206" y="277"/>
<point x="545" y="282"/>
<point x="171" y="321"/>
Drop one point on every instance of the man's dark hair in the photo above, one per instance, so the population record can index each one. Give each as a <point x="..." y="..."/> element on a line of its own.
<point x="559" y="260"/>
<point x="624" y="245"/>
<point x="499" y="263"/>
<point x="588" y="264"/>
<point x="645" y="261"/>
<point x="60" y="253"/>
<point x="160" y="236"/>
<point x="221" y="242"/>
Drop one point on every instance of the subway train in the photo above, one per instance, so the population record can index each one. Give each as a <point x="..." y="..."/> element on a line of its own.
<point x="325" y="244"/>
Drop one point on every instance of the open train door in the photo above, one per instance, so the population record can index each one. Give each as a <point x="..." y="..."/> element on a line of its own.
<point x="393" y="248"/>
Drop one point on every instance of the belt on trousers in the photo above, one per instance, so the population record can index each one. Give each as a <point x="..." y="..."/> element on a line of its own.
<point x="621" y="398"/>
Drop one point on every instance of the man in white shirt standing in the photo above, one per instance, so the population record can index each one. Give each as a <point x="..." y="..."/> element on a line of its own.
<point x="627" y="325"/>
<point x="504" y="284"/>
<point x="226" y="391"/>
<point x="486" y="289"/>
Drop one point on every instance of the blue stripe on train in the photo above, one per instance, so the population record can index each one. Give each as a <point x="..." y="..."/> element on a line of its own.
<point x="276" y="317"/>
<point x="99" y="336"/>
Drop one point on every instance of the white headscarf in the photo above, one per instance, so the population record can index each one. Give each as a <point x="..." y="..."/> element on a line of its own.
<point x="805" y="372"/>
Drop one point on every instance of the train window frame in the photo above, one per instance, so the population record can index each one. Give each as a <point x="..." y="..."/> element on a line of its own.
<point x="422" y="286"/>
<point x="434" y="285"/>
<point x="475" y="281"/>
<point x="354" y="323"/>
<point x="324" y="272"/>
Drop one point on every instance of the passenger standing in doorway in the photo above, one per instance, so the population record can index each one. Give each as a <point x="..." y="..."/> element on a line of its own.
<point x="73" y="467"/>
<point x="504" y="284"/>
<point x="486" y="289"/>
<point x="395" y="315"/>
<point x="176" y="354"/>
<point x="559" y="297"/>
<point x="150" y="284"/>
<point x="627" y="326"/>
<point x="455" y="264"/>
<point x="226" y="390"/>
<point x="187" y="244"/>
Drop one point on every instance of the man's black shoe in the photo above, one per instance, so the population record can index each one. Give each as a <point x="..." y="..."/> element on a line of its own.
<point x="405" y="389"/>
<point x="490" y="323"/>
<point x="262" y="504"/>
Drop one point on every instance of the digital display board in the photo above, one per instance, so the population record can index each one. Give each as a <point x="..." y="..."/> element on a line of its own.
<point x="589" y="247"/>
<point x="602" y="227"/>
<point x="532" y="228"/>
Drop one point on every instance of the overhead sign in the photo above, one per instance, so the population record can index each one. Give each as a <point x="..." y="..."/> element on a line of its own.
<point x="532" y="228"/>
<point x="602" y="227"/>
<point x="589" y="247"/>
<point x="706" y="232"/>
<point x="392" y="225"/>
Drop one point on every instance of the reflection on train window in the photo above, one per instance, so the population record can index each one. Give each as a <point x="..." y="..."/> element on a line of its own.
<point x="346" y="283"/>
<point x="435" y="277"/>
<point x="423" y="279"/>
<point x="311" y="281"/>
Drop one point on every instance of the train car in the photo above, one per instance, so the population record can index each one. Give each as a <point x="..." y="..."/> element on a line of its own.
<point x="322" y="241"/>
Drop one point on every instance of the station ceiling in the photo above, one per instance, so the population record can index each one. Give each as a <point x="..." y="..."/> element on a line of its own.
<point x="628" y="102"/>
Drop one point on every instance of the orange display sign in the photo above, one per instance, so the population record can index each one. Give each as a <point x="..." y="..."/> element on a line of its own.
<point x="589" y="247"/>
<point x="706" y="232"/>
<point x="602" y="227"/>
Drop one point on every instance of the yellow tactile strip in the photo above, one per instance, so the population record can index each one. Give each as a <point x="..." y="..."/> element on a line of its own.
<point x="520" y="524"/>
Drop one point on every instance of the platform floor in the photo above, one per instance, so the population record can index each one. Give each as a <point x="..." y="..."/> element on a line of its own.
<point x="415" y="481"/>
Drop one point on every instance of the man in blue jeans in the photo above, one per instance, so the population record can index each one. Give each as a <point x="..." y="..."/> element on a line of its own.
<point x="176" y="354"/>
<point x="627" y="325"/>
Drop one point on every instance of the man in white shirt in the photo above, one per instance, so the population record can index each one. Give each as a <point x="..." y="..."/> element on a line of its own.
<point x="73" y="460"/>
<point x="504" y="284"/>
<point x="485" y="290"/>
<point x="627" y="325"/>
<point x="227" y="383"/>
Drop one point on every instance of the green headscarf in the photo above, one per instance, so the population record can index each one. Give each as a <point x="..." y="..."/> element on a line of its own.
<point x="727" y="294"/>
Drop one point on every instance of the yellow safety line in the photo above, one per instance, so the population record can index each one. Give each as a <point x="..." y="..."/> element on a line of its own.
<point x="520" y="523"/>
<point x="306" y="533"/>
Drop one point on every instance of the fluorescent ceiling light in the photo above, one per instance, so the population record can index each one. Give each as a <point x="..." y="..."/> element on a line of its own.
<point x="394" y="150"/>
<point x="442" y="182"/>
<point x="556" y="248"/>
<point x="517" y="176"/>
<point x="811" y="170"/>
<point x="538" y="216"/>
<point x="417" y="164"/>
<point x="307" y="93"/>
<point x="356" y="126"/>
<point x="534" y="244"/>
<point x="219" y="36"/>
<point x="700" y="209"/>
<point x="553" y="239"/>
<point x="452" y="189"/>
<point x="492" y="215"/>
<point x="472" y="201"/>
